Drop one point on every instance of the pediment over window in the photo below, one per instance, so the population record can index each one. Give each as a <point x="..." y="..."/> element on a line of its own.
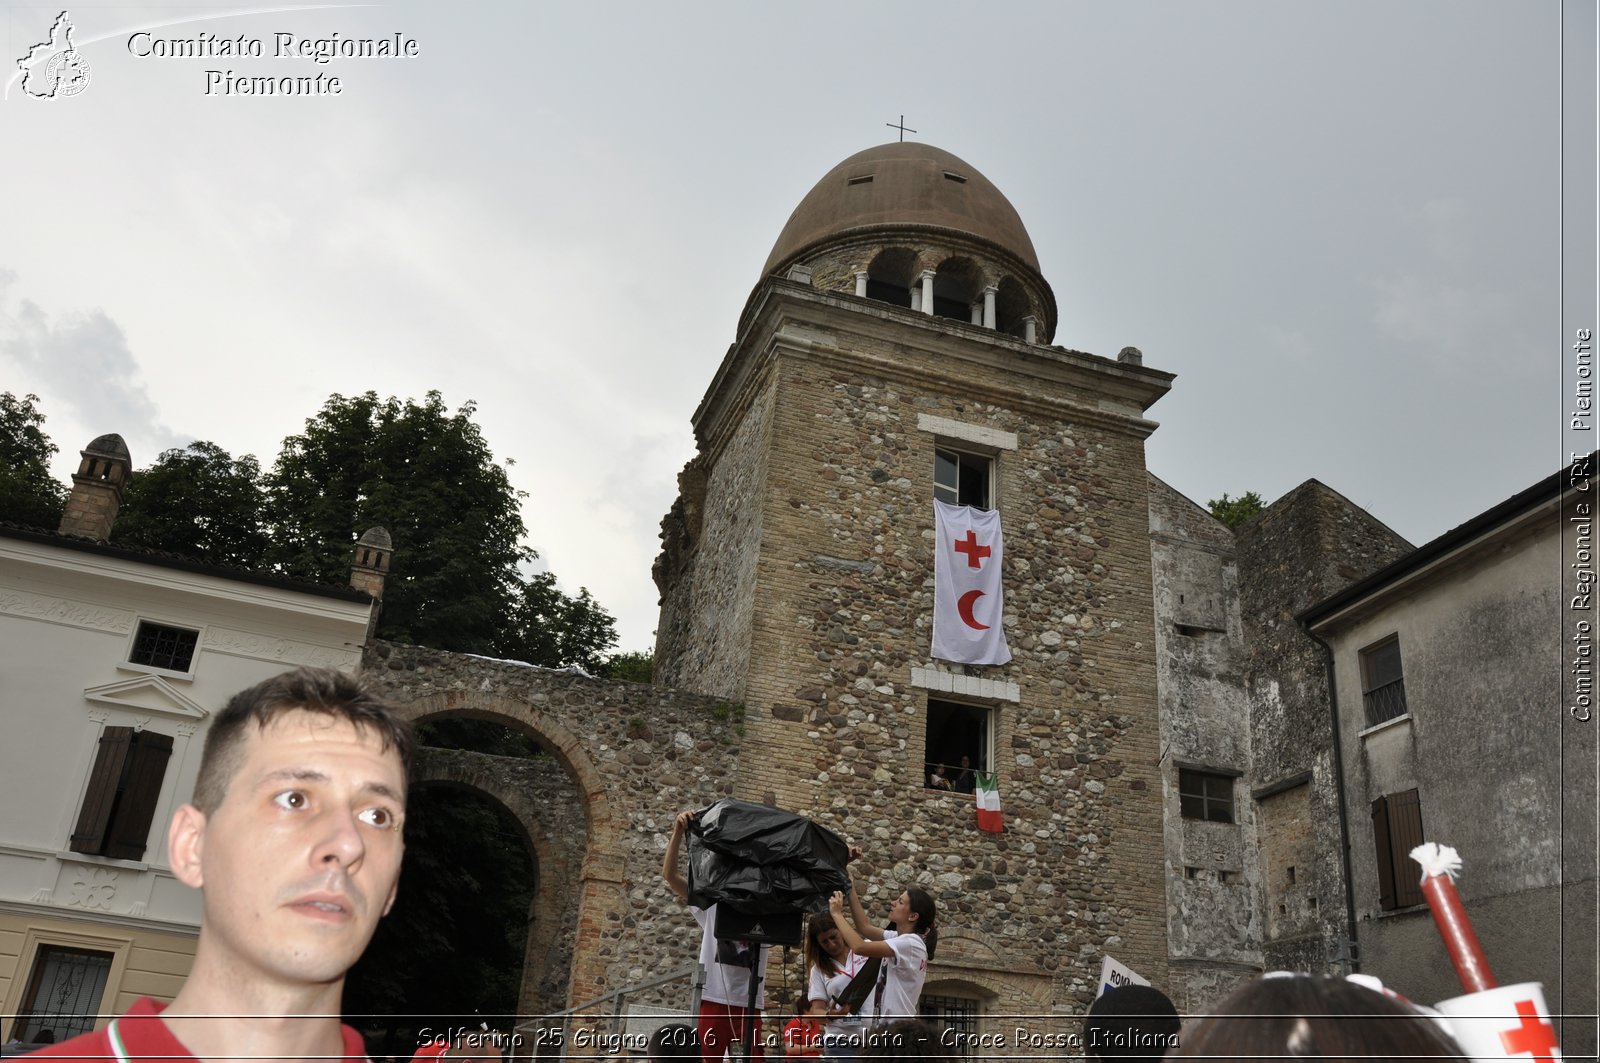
<point x="146" y="693"/>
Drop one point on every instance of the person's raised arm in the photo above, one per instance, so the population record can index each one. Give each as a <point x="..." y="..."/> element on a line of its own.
<point x="853" y="940"/>
<point x="859" y="915"/>
<point x="669" y="863"/>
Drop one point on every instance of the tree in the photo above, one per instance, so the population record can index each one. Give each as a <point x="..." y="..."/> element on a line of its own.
<point x="28" y="493"/>
<point x="553" y="629"/>
<point x="426" y="475"/>
<point x="1235" y="511"/>
<point x="635" y="666"/>
<point x="199" y="501"/>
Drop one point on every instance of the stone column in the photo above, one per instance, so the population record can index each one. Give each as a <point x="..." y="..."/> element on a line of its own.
<point x="1029" y="328"/>
<point x="861" y="282"/>
<point x="927" y="291"/>
<point x="977" y="313"/>
<point x="988" y="306"/>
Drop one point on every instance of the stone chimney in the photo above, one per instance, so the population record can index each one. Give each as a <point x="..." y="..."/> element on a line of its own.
<point x="97" y="488"/>
<point x="373" y="553"/>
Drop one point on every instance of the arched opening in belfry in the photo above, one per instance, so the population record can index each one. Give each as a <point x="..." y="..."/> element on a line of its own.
<point x="957" y="285"/>
<point x="1010" y="306"/>
<point x="891" y="274"/>
<point x="486" y="913"/>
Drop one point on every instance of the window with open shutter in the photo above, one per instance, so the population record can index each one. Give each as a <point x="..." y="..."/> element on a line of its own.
<point x="124" y="788"/>
<point x="1396" y="830"/>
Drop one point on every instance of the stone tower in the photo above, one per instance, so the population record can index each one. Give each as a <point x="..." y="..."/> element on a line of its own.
<point x="97" y="488"/>
<point x="897" y="348"/>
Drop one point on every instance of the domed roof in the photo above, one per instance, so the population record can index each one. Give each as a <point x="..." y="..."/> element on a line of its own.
<point x="903" y="185"/>
<point x="110" y="445"/>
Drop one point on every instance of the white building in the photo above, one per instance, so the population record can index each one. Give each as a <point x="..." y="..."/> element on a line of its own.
<point x="112" y="661"/>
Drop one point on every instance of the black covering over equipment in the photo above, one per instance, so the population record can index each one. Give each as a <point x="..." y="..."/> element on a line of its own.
<point x="761" y="860"/>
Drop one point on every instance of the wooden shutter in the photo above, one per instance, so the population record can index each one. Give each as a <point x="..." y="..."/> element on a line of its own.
<point x="1380" y="836"/>
<point x="101" y="795"/>
<point x="129" y="831"/>
<point x="1405" y="834"/>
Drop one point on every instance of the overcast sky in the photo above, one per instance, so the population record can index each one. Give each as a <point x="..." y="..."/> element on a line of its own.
<point x="1338" y="224"/>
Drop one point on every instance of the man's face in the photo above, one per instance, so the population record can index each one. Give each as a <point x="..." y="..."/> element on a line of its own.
<point x="302" y="857"/>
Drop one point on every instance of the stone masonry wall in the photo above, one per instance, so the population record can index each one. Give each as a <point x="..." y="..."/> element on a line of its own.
<point x="706" y="573"/>
<point x="1306" y="546"/>
<point x="845" y="591"/>
<point x="1213" y="875"/>
<point x="631" y="757"/>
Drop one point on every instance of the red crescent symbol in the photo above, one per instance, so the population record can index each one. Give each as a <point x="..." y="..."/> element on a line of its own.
<point x="964" y="604"/>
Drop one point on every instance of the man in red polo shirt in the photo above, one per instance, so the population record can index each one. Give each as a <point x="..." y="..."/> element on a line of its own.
<point x="294" y="840"/>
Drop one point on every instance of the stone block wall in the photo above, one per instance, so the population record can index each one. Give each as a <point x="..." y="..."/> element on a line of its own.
<point x="836" y="723"/>
<point x="1306" y="546"/>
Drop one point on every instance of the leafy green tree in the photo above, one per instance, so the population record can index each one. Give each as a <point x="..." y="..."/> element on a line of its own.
<point x="28" y="493"/>
<point x="1235" y="511"/>
<point x="426" y="475"/>
<point x="634" y="666"/>
<point x="554" y="629"/>
<point x="199" y="501"/>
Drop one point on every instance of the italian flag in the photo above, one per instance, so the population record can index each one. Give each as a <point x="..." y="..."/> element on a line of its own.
<point x="988" y="796"/>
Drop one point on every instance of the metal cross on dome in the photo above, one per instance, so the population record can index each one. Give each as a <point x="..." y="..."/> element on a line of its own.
<point x="901" y="127"/>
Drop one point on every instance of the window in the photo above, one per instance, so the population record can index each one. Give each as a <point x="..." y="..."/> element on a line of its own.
<point x="959" y="1016"/>
<point x="957" y="733"/>
<point x="1383" y="685"/>
<point x="124" y="787"/>
<point x="1205" y="795"/>
<point x="63" y="994"/>
<point x="962" y="479"/>
<point x="161" y="646"/>
<point x="1396" y="830"/>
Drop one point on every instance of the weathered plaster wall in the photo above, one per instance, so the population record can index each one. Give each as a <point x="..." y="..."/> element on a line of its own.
<point x="1212" y="874"/>
<point x="1482" y="668"/>
<point x="1306" y="546"/>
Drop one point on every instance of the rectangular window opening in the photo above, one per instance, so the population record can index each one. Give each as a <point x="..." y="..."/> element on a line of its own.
<point x="1205" y="795"/>
<point x="162" y="646"/>
<point x="959" y="1016"/>
<point x="63" y="994"/>
<point x="119" y="804"/>
<point x="1383" y="685"/>
<point x="963" y="479"/>
<point x="864" y="180"/>
<point x="960" y="740"/>
<point x="957" y="178"/>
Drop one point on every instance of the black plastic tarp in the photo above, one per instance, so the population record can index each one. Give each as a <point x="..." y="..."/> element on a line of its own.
<point x="762" y="860"/>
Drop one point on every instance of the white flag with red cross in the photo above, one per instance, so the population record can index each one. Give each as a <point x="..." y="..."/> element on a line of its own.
<point x="967" y="603"/>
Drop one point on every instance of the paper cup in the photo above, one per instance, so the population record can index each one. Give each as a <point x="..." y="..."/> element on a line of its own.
<point x="1510" y="1022"/>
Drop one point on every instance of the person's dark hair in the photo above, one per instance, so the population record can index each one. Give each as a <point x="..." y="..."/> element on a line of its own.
<point x="909" y="1039"/>
<point x="1303" y="1015"/>
<point x="927" y="913"/>
<point x="319" y="690"/>
<point x="675" y="1040"/>
<point x="815" y="955"/>
<point x="1131" y="1022"/>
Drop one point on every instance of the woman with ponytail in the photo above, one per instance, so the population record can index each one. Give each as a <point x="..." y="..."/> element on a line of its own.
<point x="905" y="950"/>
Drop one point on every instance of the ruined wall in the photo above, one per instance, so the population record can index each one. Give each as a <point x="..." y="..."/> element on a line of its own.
<point x="1306" y="546"/>
<point x="706" y="571"/>
<point x="1213" y="880"/>
<point x="838" y="688"/>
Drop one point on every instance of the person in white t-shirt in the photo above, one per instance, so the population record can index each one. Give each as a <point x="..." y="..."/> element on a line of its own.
<point x="830" y="966"/>
<point x="905" y="950"/>
<point x="724" y="1002"/>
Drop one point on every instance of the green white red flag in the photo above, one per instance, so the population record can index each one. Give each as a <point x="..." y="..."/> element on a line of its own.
<point x="988" y="798"/>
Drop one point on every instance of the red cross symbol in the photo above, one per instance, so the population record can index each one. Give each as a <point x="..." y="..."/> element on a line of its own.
<point x="1533" y="1035"/>
<point x="969" y="546"/>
